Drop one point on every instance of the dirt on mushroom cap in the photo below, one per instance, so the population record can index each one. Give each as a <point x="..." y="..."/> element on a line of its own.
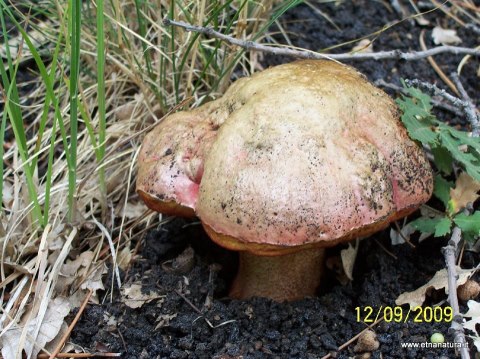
<point x="311" y="153"/>
<point x="306" y="152"/>
<point x="172" y="157"/>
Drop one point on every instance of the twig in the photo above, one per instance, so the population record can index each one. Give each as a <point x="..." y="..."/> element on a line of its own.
<point x="195" y="308"/>
<point x="474" y="28"/>
<point x="305" y="54"/>
<point x="469" y="108"/>
<point x="436" y="103"/>
<point x="123" y="340"/>
<point x="465" y="105"/>
<point x="449" y="252"/>
<point x="386" y="250"/>
<point x="435" y="66"/>
<point x="351" y="340"/>
<point x="81" y="355"/>
<point x="71" y="326"/>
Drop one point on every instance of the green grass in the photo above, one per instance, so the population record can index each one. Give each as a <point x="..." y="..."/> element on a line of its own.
<point x="88" y="44"/>
<point x="103" y="72"/>
<point x="74" y="32"/>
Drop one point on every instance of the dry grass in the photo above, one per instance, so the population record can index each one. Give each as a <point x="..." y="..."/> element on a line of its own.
<point x="149" y="71"/>
<point x="49" y="250"/>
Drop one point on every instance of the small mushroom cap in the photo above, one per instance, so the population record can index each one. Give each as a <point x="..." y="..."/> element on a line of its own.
<point x="312" y="154"/>
<point x="170" y="163"/>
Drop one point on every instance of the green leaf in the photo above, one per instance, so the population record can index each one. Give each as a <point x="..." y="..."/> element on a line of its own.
<point x="469" y="160"/>
<point x="424" y="101"/>
<point x="417" y="120"/>
<point x="468" y="224"/>
<point x="443" y="159"/>
<point x="464" y="137"/>
<point x="427" y="225"/>
<point x="441" y="189"/>
<point x="443" y="227"/>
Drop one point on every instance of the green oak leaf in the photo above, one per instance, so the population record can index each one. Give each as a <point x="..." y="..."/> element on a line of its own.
<point x="443" y="227"/>
<point x="468" y="224"/>
<point x="428" y="225"/>
<point x="443" y="159"/>
<point x="441" y="189"/>
<point x="469" y="160"/>
<point x="418" y="122"/>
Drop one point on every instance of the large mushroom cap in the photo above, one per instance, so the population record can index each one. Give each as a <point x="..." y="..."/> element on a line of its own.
<point x="311" y="154"/>
<point x="295" y="158"/>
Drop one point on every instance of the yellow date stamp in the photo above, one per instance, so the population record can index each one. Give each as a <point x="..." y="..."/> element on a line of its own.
<point x="398" y="314"/>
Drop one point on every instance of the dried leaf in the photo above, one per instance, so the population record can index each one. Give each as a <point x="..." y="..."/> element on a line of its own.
<point x="134" y="298"/>
<point x="439" y="281"/>
<point x="348" y="259"/>
<point x="422" y="21"/>
<point x="397" y="237"/>
<point x="476" y="342"/>
<point x="124" y="257"/>
<point x="74" y="269"/>
<point x="364" y="45"/>
<point x="164" y="320"/>
<point x="94" y="279"/>
<point x="465" y="192"/>
<point x="134" y="210"/>
<point x="182" y="264"/>
<point x="445" y="36"/>
<point x="8" y="195"/>
<point x="474" y="313"/>
<point x="52" y="322"/>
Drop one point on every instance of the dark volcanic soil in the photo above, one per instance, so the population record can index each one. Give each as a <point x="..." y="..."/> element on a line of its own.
<point x="192" y="325"/>
<point x="192" y="318"/>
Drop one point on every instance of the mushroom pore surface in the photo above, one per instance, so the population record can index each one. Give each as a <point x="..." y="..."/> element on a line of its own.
<point x="303" y="154"/>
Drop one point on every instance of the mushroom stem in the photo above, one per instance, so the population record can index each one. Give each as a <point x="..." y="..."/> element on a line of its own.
<point x="286" y="277"/>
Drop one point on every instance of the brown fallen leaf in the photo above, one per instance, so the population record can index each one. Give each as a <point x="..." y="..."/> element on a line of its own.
<point x="163" y="320"/>
<point x="465" y="192"/>
<point x="364" y="45"/>
<point x="473" y="313"/>
<point x="439" y="281"/>
<point x="50" y="326"/>
<point x="134" y="298"/>
<point x="445" y="36"/>
<point x="348" y="259"/>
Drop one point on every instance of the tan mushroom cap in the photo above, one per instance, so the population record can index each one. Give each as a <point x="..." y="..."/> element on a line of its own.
<point x="170" y="163"/>
<point x="311" y="154"/>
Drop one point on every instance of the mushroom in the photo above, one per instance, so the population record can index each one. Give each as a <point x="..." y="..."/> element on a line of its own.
<point x="289" y="161"/>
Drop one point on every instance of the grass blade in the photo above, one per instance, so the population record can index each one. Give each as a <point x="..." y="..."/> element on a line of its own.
<point x="74" y="32"/>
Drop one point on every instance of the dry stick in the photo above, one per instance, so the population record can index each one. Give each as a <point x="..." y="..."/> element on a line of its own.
<point x="469" y="107"/>
<point x="305" y="54"/>
<point x="465" y="105"/>
<point x="436" y="103"/>
<point x="435" y="66"/>
<point x="450" y="250"/>
<point x="71" y="326"/>
<point x="351" y="340"/>
<point x="202" y="315"/>
<point x="81" y="355"/>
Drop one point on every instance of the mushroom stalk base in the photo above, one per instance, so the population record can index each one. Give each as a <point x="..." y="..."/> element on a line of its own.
<point x="286" y="277"/>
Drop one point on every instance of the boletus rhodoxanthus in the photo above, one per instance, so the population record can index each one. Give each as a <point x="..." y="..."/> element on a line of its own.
<point x="289" y="161"/>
